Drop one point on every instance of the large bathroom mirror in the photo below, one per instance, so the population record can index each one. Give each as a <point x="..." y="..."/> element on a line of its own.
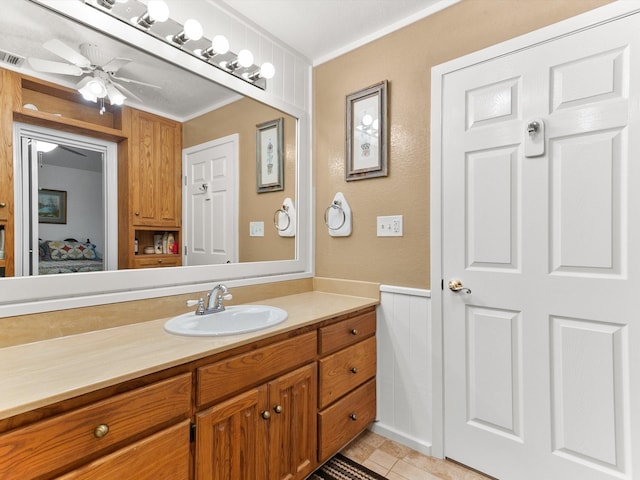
<point x="211" y="105"/>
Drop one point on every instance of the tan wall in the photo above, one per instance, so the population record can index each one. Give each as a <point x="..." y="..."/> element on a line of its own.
<point x="242" y="117"/>
<point x="404" y="58"/>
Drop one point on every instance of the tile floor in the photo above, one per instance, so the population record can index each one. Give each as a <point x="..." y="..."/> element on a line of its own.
<point x="397" y="462"/>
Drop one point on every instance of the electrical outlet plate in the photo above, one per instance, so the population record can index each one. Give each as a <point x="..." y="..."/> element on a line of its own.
<point x="256" y="229"/>
<point x="389" y="226"/>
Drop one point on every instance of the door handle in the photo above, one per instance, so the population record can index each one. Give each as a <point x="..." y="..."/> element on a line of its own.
<point x="456" y="287"/>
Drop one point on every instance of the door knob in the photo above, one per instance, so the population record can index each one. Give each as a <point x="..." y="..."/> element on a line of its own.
<point x="456" y="287"/>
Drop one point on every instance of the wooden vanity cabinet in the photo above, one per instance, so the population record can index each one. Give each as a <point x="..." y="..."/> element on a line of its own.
<point x="347" y="388"/>
<point x="267" y="431"/>
<point x="99" y="439"/>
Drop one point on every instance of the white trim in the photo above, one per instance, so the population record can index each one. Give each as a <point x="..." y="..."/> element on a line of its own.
<point x="416" y="292"/>
<point x="567" y="27"/>
<point x="402" y="438"/>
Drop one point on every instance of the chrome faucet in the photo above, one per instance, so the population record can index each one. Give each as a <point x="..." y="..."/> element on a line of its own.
<point x="216" y="296"/>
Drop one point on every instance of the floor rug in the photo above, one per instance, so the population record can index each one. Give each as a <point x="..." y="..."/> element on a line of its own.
<point x="343" y="468"/>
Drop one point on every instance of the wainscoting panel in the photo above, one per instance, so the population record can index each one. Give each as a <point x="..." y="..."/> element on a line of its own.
<point x="404" y="367"/>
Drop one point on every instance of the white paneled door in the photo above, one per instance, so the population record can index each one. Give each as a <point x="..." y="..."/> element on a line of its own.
<point x="541" y="222"/>
<point x="210" y="202"/>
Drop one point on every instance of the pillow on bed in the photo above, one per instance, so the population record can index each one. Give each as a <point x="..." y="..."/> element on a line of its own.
<point x="63" y="250"/>
<point x="43" y="250"/>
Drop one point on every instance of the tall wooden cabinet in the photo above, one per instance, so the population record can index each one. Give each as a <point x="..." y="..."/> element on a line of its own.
<point x="150" y="166"/>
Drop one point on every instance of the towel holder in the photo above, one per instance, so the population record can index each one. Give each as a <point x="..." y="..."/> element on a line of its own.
<point x="337" y="217"/>
<point x="284" y="219"/>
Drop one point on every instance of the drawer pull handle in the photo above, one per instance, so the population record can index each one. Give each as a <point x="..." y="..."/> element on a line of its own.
<point x="354" y="370"/>
<point x="353" y="417"/>
<point x="266" y="415"/>
<point x="101" y="430"/>
<point x="277" y="409"/>
<point x="354" y="331"/>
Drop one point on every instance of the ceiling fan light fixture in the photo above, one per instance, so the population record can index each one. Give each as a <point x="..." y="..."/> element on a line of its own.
<point x="192" y="30"/>
<point x="157" y="11"/>
<point x="116" y="97"/>
<point x="92" y="88"/>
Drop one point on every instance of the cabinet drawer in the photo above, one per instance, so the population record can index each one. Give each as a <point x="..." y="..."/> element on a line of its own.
<point x="347" y="332"/>
<point x="163" y="455"/>
<point x="50" y="444"/>
<point x="151" y="261"/>
<point x="342" y="371"/>
<point x="220" y="379"/>
<point x="342" y="421"/>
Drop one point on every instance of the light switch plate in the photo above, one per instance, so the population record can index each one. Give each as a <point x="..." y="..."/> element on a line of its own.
<point x="389" y="226"/>
<point x="256" y="229"/>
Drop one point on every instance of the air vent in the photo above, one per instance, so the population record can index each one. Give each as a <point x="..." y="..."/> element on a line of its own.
<point x="11" y="59"/>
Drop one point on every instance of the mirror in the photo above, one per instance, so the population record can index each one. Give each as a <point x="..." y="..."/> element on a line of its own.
<point x="22" y="33"/>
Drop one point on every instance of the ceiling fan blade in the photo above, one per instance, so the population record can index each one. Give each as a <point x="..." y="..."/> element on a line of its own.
<point x="48" y="66"/>
<point x="115" y="64"/>
<point x="127" y="92"/>
<point x="72" y="150"/>
<point x="130" y="80"/>
<point x="68" y="53"/>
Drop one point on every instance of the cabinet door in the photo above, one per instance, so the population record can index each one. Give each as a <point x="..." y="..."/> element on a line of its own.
<point x="155" y="171"/>
<point x="231" y="438"/>
<point x="292" y="433"/>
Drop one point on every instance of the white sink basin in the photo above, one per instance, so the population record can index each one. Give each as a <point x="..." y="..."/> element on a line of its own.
<point x="238" y="319"/>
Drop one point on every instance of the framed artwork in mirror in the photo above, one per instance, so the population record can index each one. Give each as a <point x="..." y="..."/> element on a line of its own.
<point x="366" y="122"/>
<point x="269" y="152"/>
<point x="52" y="206"/>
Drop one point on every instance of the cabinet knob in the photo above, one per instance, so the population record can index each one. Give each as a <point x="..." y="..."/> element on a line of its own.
<point x="3" y="204"/>
<point x="101" y="430"/>
<point x="137" y="214"/>
<point x="353" y="417"/>
<point x="354" y="331"/>
<point x="277" y="409"/>
<point x="266" y="415"/>
<point x="159" y="260"/>
<point x="354" y="370"/>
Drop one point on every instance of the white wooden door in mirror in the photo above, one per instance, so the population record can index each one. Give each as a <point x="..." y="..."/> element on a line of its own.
<point x="210" y="218"/>
<point x="541" y="373"/>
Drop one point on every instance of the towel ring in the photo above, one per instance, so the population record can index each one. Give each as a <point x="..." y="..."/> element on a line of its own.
<point x="276" y="220"/>
<point x="337" y="204"/>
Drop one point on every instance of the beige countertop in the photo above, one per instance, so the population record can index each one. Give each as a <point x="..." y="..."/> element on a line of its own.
<point x="37" y="374"/>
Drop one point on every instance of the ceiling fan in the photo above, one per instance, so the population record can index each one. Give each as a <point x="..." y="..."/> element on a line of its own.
<point x="99" y="71"/>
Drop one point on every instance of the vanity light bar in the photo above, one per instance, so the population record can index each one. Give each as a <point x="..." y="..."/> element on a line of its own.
<point x="214" y="52"/>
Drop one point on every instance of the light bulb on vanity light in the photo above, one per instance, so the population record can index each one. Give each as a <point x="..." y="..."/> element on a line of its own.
<point x="245" y="58"/>
<point x="192" y="30"/>
<point x="157" y="11"/>
<point x="219" y="46"/>
<point x="266" y="70"/>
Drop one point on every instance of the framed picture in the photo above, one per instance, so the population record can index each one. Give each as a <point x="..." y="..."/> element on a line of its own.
<point x="269" y="162"/>
<point x="52" y="206"/>
<point x="366" y="155"/>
